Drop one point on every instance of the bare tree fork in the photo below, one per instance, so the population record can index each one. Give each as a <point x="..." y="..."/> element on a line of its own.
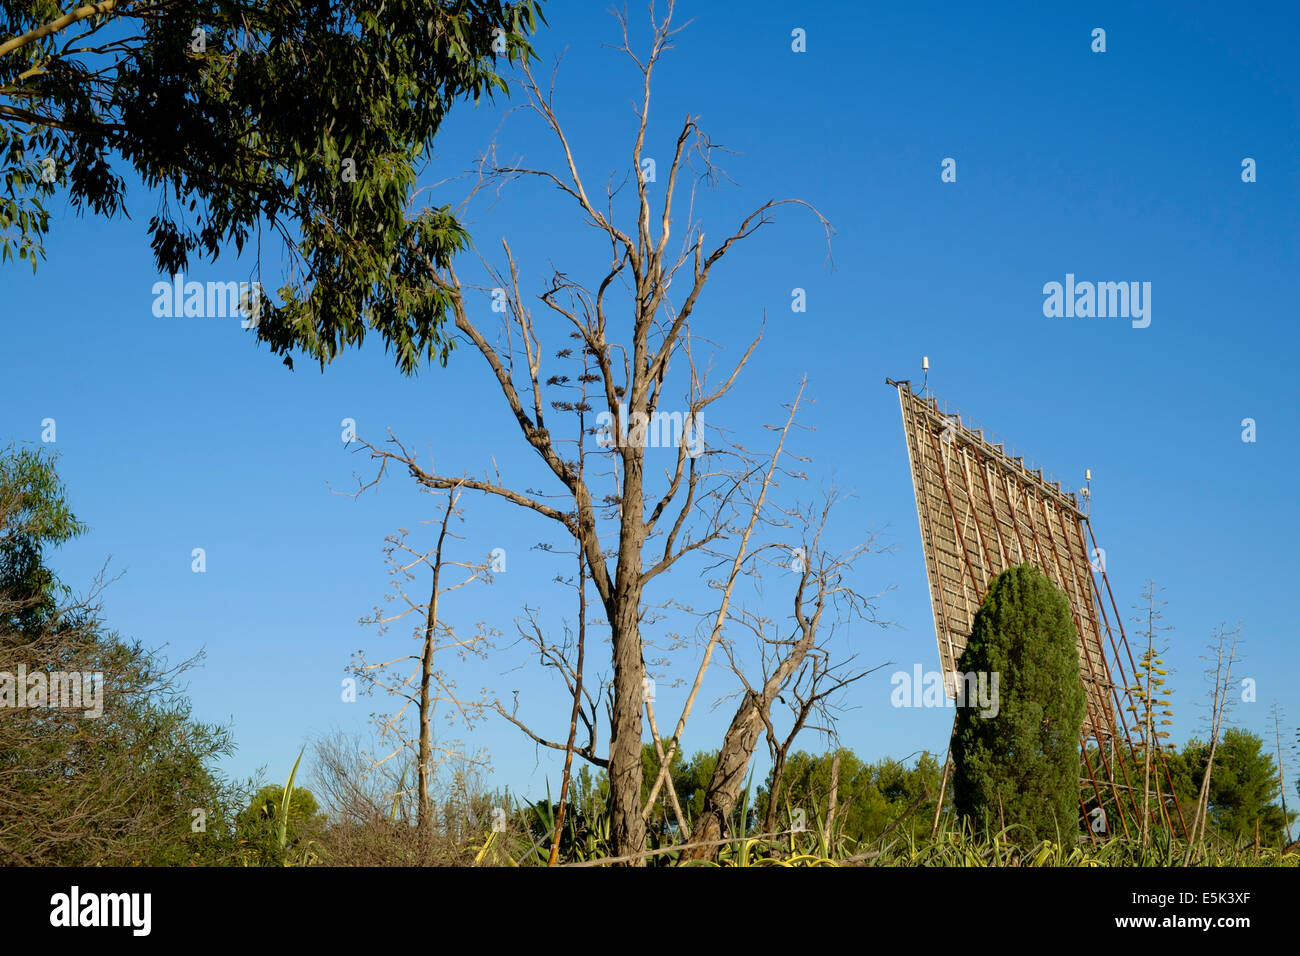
<point x="663" y="763"/>
<point x="552" y="655"/>
<point x="721" y="615"/>
<point x="821" y="585"/>
<point x="819" y="679"/>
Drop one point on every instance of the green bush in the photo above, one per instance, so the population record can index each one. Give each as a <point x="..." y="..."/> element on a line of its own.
<point x="1020" y="769"/>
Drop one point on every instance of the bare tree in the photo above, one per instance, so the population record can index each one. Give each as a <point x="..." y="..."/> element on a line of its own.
<point x="1281" y="771"/>
<point x="371" y="822"/>
<point x="351" y="788"/>
<point x="810" y="694"/>
<point x="1223" y="651"/>
<point x="416" y="679"/>
<point x="631" y="534"/>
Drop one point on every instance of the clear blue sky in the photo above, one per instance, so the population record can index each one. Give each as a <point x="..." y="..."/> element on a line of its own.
<point x="1119" y="166"/>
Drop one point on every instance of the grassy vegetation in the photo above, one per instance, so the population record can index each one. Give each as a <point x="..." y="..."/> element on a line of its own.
<point x="526" y="842"/>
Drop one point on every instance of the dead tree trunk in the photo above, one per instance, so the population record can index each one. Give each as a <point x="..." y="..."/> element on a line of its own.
<point x="625" y="740"/>
<point x="821" y="575"/>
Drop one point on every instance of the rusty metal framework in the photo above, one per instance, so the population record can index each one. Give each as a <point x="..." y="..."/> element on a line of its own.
<point x="983" y="509"/>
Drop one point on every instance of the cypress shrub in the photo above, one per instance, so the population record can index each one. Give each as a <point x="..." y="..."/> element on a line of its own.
<point x="1020" y="768"/>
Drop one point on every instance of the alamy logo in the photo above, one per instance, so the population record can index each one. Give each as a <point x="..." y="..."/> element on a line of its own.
<point x="75" y="908"/>
<point x="1085" y="300"/>
<point x="656" y="430"/>
<point x="974" y="689"/>
<point x="208" y="300"/>
<point x="66" y="690"/>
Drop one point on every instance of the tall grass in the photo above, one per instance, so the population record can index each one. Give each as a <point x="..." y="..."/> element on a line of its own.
<point x="953" y="845"/>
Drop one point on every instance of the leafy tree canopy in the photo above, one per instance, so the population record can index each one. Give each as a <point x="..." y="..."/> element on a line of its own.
<point x="304" y="118"/>
<point x="871" y="796"/>
<point x="34" y="516"/>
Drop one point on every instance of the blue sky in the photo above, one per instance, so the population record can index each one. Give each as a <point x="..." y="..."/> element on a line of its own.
<point x="1116" y="166"/>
